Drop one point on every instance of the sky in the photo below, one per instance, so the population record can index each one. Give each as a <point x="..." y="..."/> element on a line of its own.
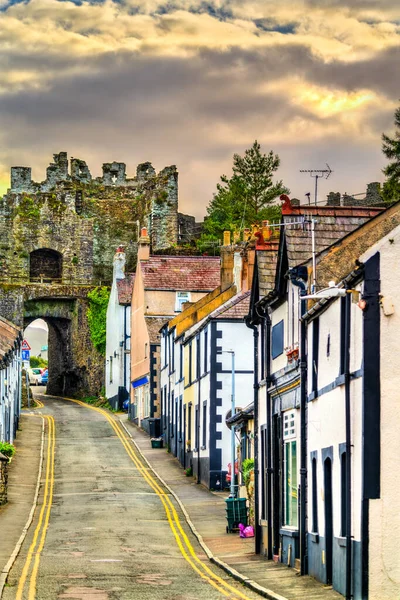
<point x="191" y="82"/>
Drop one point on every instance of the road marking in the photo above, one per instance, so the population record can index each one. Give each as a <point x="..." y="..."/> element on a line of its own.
<point x="44" y="516"/>
<point x="181" y="538"/>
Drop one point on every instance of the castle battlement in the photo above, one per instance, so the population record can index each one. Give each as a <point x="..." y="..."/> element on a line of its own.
<point x="62" y="171"/>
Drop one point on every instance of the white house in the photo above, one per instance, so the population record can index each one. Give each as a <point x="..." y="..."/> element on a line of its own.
<point x="10" y="380"/>
<point x="118" y="333"/>
<point x="196" y="374"/>
<point x="353" y="419"/>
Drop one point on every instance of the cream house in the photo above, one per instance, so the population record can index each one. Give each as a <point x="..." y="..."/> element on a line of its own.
<point x="163" y="284"/>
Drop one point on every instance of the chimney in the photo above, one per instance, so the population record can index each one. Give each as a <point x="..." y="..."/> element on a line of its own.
<point x="144" y="245"/>
<point x="119" y="264"/>
<point x="227" y="267"/>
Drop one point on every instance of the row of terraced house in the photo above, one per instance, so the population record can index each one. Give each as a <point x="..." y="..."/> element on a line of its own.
<point x="308" y="340"/>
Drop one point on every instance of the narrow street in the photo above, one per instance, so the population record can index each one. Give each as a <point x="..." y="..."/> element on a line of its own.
<point x="104" y="527"/>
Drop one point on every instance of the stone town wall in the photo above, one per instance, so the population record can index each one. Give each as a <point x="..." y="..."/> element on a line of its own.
<point x="85" y="218"/>
<point x="77" y="221"/>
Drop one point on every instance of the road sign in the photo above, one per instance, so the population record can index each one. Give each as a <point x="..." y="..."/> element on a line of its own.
<point x="25" y="345"/>
<point x="25" y="355"/>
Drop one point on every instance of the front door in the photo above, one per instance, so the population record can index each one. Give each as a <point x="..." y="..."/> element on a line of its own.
<point x="328" y="518"/>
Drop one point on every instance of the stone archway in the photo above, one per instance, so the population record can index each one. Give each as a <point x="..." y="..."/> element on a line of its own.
<point x="73" y="368"/>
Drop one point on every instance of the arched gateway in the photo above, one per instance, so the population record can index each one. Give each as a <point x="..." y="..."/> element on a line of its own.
<point x="57" y="242"/>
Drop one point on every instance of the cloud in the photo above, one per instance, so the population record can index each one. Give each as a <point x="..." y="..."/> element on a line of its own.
<point x="189" y="82"/>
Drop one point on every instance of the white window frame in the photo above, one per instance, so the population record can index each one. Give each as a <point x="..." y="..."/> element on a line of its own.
<point x="181" y="298"/>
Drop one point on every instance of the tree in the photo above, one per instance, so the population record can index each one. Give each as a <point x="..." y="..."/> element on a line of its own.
<point x="391" y="149"/>
<point x="246" y="198"/>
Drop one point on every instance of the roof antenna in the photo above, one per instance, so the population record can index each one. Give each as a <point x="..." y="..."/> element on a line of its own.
<point x="317" y="173"/>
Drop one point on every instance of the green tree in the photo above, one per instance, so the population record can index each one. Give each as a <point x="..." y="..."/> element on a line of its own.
<point x="391" y="149"/>
<point x="247" y="197"/>
<point x="97" y="317"/>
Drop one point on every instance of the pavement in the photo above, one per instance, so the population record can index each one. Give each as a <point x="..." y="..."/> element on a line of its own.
<point x="206" y="513"/>
<point x="22" y="482"/>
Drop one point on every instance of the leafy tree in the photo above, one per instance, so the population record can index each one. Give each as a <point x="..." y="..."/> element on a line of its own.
<point x="37" y="362"/>
<point x="391" y="149"/>
<point x="245" y="198"/>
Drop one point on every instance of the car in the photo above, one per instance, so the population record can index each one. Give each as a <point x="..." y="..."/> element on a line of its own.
<point x="44" y="377"/>
<point x="34" y="376"/>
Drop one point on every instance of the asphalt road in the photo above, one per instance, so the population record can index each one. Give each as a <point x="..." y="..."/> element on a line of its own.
<point x="108" y="536"/>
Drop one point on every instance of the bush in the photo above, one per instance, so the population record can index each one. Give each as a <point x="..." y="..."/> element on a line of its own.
<point x="7" y="449"/>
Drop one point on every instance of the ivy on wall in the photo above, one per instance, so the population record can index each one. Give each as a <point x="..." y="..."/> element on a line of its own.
<point x="97" y="316"/>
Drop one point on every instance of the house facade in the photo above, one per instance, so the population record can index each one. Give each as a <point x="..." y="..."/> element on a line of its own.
<point x="10" y="380"/>
<point x="162" y="285"/>
<point x="353" y="440"/>
<point x="282" y="399"/>
<point x="206" y="356"/>
<point x="118" y="333"/>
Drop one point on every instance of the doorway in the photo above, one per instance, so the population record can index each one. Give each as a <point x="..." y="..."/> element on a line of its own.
<point x="328" y="508"/>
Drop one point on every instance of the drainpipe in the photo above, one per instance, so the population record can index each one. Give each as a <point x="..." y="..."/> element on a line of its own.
<point x="257" y="532"/>
<point x="348" y="443"/>
<point x="269" y="426"/>
<point x="296" y="277"/>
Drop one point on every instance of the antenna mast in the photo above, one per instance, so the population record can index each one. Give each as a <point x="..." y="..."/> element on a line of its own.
<point x="317" y="173"/>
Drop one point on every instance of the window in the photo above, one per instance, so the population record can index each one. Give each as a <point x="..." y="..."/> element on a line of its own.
<point x="315" y="352"/>
<point x="181" y="427"/>
<point x="172" y="415"/>
<point x="111" y="369"/>
<point x="198" y="357"/>
<point x="146" y="401"/>
<point x="342" y="333"/>
<point x="190" y="423"/>
<point x="343" y="486"/>
<point x="173" y="353"/>
<point x="277" y="340"/>
<point x="314" y="496"/>
<point x="190" y="363"/>
<point x="181" y="298"/>
<point x="180" y="361"/>
<point x="196" y="427"/>
<point x="145" y="349"/>
<point x="290" y="480"/>
<point x="205" y="350"/>
<point x="204" y="440"/>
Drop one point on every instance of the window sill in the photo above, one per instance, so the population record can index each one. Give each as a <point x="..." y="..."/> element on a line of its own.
<point x="289" y="532"/>
<point x="342" y="541"/>
<point x="314" y="537"/>
<point x="203" y="448"/>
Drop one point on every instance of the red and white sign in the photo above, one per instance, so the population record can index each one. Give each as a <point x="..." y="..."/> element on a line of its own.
<point x="25" y="345"/>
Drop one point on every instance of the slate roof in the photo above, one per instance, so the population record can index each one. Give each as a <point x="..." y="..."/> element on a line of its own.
<point x="266" y="266"/>
<point x="125" y="287"/>
<point x="9" y="334"/>
<point x="332" y="225"/>
<point x="182" y="273"/>
<point x="236" y="308"/>
<point x="154" y="324"/>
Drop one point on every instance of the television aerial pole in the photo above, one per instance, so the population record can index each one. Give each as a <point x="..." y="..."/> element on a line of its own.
<point x="317" y="174"/>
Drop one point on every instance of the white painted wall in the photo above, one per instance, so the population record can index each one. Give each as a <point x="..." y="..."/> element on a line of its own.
<point x="117" y="371"/>
<point x="239" y="338"/>
<point x="384" y="525"/>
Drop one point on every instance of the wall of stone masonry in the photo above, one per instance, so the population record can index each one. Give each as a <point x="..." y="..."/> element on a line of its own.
<point x="84" y="219"/>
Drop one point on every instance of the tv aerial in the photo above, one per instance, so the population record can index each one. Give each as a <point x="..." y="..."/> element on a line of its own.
<point x="317" y="174"/>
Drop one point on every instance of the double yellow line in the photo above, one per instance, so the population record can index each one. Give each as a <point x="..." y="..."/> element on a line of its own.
<point x="38" y="403"/>
<point x="181" y="538"/>
<point x="39" y="536"/>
